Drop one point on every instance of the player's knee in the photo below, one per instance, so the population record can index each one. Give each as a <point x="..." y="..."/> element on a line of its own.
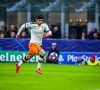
<point x="41" y="58"/>
<point x="42" y="52"/>
<point x="28" y="57"/>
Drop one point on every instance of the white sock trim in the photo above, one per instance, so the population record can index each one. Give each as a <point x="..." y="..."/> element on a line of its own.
<point x="39" y="65"/>
<point x="20" y="63"/>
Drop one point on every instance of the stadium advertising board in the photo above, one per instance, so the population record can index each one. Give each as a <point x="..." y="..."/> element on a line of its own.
<point x="71" y="57"/>
<point x="64" y="58"/>
<point x="15" y="56"/>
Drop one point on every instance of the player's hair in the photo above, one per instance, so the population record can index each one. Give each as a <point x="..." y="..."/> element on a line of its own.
<point x="40" y="17"/>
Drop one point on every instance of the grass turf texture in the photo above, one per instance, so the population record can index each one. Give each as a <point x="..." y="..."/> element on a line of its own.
<point x="54" y="77"/>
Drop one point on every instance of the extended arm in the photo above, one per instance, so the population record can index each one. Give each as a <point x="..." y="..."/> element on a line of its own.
<point x="48" y="31"/>
<point x="26" y="25"/>
<point x="21" y="29"/>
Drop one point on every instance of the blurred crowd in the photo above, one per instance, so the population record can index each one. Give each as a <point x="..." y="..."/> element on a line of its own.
<point x="56" y="33"/>
<point x="93" y="34"/>
<point x="12" y="31"/>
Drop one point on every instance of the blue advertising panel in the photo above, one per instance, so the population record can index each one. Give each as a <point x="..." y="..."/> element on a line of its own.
<point x="63" y="45"/>
<point x="71" y="57"/>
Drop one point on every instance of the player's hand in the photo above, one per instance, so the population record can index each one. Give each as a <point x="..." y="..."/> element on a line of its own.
<point x="17" y="36"/>
<point x="46" y="35"/>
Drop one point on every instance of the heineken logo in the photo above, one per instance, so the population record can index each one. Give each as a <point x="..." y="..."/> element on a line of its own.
<point x="15" y="56"/>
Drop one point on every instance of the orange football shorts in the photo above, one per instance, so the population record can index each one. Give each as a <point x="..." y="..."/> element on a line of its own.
<point x="34" y="49"/>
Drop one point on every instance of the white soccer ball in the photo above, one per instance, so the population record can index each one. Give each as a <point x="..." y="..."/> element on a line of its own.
<point x="53" y="56"/>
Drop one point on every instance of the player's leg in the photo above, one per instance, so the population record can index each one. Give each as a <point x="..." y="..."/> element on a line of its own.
<point x="26" y="58"/>
<point x="36" y="49"/>
<point x="40" y="59"/>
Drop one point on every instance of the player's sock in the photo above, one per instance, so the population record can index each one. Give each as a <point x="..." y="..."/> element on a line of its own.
<point x="20" y="63"/>
<point x="40" y="61"/>
<point x="39" y="65"/>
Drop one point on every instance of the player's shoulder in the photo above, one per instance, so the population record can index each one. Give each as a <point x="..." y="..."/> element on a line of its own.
<point x="31" y="23"/>
<point x="44" y="24"/>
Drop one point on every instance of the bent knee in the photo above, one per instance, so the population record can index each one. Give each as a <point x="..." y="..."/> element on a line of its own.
<point x="42" y="52"/>
<point x="29" y="56"/>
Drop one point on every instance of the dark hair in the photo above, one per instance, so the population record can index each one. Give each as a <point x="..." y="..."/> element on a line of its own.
<point x="40" y="17"/>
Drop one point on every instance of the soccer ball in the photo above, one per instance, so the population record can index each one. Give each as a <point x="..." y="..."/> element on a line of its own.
<point x="53" y="56"/>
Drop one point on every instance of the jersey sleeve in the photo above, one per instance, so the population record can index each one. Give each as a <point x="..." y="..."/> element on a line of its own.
<point x="26" y="25"/>
<point x="46" y="28"/>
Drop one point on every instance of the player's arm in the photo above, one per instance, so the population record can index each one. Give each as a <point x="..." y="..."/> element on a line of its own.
<point x="48" y="31"/>
<point x="26" y="25"/>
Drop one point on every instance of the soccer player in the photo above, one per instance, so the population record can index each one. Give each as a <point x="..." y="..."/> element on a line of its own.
<point x="37" y="32"/>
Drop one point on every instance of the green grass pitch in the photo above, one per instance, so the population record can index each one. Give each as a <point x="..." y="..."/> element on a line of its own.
<point x="54" y="77"/>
